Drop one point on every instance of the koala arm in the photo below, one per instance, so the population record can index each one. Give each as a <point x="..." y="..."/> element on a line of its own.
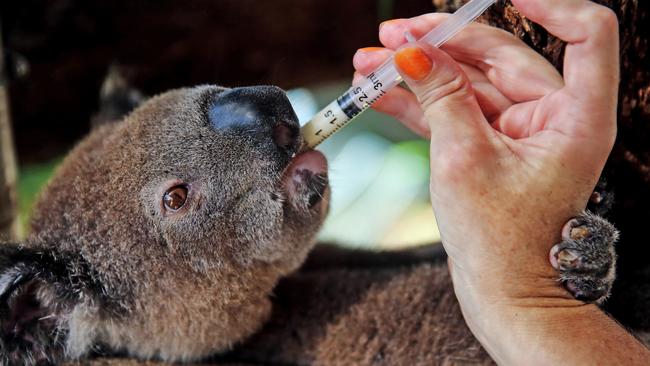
<point x="38" y="290"/>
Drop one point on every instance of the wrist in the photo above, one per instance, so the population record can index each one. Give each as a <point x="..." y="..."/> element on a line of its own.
<point x="547" y="330"/>
<point x="508" y="274"/>
<point x="576" y="335"/>
<point x="504" y="309"/>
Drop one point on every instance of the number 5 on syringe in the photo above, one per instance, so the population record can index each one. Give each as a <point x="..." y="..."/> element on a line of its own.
<point x="329" y="114"/>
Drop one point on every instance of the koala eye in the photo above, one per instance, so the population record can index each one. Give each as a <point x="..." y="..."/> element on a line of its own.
<point x="175" y="198"/>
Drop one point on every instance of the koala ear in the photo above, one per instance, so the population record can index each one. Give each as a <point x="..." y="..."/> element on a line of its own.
<point x="117" y="98"/>
<point x="31" y="331"/>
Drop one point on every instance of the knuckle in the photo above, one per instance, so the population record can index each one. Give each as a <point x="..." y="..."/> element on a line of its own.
<point x="455" y="88"/>
<point x="607" y="17"/>
<point x="603" y="19"/>
<point x="459" y="86"/>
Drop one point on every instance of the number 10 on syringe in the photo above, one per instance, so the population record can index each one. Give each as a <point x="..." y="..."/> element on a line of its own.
<point x="361" y="96"/>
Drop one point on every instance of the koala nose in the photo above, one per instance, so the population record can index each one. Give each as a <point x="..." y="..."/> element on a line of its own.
<point x="260" y="112"/>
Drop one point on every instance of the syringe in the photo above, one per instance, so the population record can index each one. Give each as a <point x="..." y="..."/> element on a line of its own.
<point x="361" y="96"/>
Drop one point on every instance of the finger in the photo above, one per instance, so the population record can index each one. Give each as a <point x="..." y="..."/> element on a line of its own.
<point x="392" y="33"/>
<point x="505" y="60"/>
<point x="443" y="89"/>
<point x="398" y="103"/>
<point x="491" y="100"/>
<point x="591" y="65"/>
<point x="402" y="105"/>
<point x="516" y="121"/>
<point x="367" y="60"/>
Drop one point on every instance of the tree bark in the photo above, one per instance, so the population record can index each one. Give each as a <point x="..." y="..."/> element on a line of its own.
<point x="626" y="179"/>
<point x="9" y="225"/>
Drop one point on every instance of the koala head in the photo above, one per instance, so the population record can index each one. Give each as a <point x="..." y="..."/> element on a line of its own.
<point x="164" y="234"/>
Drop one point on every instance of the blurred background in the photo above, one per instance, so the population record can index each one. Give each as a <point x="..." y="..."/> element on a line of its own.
<point x="57" y="53"/>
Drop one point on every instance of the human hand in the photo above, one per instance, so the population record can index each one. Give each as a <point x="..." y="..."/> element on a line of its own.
<point x="516" y="148"/>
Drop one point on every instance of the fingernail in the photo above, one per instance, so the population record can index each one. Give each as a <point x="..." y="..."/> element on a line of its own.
<point x="413" y="62"/>
<point x="369" y="49"/>
<point x="388" y="23"/>
<point x="360" y="58"/>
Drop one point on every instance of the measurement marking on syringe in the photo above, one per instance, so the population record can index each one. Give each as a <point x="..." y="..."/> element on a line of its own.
<point x="376" y="98"/>
<point x="328" y="134"/>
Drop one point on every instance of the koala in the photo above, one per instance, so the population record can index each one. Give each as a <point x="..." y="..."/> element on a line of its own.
<point x="184" y="232"/>
<point x="140" y="232"/>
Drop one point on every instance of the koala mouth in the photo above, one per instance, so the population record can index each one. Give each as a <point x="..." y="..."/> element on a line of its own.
<point x="305" y="180"/>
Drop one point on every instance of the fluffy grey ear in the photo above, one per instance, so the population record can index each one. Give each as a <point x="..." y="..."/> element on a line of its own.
<point x="117" y="98"/>
<point x="33" y="284"/>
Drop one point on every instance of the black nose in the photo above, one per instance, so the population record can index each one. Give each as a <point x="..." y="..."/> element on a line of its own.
<point x="262" y="113"/>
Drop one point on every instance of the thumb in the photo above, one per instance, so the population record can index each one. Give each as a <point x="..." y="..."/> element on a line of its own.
<point x="446" y="94"/>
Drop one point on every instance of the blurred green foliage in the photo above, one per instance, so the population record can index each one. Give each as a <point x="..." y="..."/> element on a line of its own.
<point x="31" y="180"/>
<point x="414" y="147"/>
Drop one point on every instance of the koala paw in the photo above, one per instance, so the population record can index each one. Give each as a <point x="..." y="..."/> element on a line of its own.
<point x="585" y="258"/>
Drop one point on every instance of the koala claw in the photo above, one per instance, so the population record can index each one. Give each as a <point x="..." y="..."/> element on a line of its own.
<point x="585" y="258"/>
<point x="565" y="259"/>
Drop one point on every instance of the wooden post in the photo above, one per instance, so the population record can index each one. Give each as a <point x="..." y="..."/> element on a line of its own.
<point x="9" y="224"/>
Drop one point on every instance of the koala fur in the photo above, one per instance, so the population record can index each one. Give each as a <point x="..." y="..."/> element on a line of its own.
<point x="167" y="285"/>
<point x="110" y="270"/>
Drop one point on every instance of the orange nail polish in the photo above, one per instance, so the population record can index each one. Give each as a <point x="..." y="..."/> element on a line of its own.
<point x="388" y="22"/>
<point x="362" y="57"/>
<point x="370" y="49"/>
<point x="414" y="63"/>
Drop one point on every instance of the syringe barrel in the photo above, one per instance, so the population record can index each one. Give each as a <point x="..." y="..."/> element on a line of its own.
<point x="456" y="22"/>
<point x="375" y="85"/>
<point x="351" y="103"/>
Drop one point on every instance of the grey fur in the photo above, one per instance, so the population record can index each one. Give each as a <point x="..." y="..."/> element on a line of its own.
<point x="586" y="258"/>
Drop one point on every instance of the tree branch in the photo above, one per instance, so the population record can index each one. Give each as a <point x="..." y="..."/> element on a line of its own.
<point x="8" y="176"/>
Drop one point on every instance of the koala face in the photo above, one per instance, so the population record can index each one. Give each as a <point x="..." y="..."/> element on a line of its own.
<point x="209" y="175"/>
<point x="182" y="218"/>
<point x="215" y="182"/>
